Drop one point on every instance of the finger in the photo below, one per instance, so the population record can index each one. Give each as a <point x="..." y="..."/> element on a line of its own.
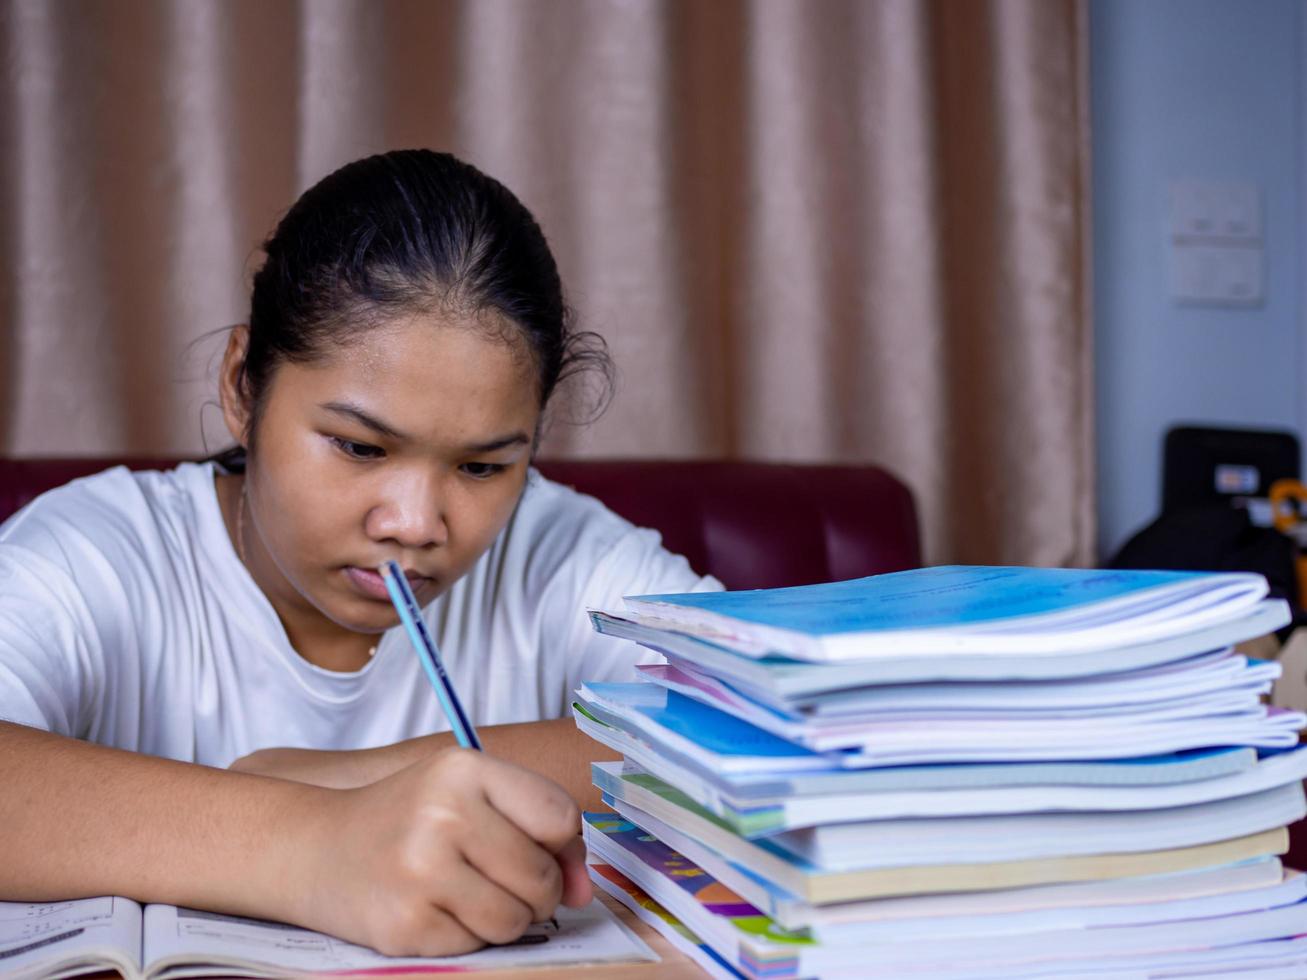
<point x="483" y="908"/>
<point x="577" y="887"/>
<point x="421" y="929"/>
<point x="506" y="856"/>
<point x="541" y="808"/>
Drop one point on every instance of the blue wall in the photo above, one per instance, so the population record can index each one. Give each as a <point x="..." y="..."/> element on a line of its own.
<point x="1207" y="90"/>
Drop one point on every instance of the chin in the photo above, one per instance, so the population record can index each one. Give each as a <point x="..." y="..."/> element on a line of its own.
<point x="359" y="615"/>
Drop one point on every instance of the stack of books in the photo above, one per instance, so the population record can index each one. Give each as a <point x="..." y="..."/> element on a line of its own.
<point x="956" y="772"/>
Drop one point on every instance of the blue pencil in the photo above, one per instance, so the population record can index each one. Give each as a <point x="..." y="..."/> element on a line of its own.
<point x="409" y="614"/>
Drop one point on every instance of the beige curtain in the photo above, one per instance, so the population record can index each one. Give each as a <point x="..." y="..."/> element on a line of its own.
<point x="816" y="231"/>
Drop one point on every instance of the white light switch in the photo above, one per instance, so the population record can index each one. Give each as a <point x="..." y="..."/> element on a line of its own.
<point x="1239" y="212"/>
<point x="1216" y="253"/>
<point x="1205" y="209"/>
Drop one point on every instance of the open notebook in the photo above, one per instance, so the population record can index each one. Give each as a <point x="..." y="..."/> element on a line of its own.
<point x="66" y="939"/>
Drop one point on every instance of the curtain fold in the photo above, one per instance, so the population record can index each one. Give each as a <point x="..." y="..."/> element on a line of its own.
<point x="847" y="231"/>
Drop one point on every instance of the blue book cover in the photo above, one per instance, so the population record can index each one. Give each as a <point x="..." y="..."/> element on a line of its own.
<point x="945" y="597"/>
<point x="684" y="728"/>
<point x="656" y="711"/>
<point x="784" y="678"/>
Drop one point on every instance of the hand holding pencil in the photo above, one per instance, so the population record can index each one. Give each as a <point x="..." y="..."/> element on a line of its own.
<point x="462" y="849"/>
<point x="453" y="852"/>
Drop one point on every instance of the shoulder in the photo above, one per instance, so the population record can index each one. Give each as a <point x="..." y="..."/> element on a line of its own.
<point x="89" y="572"/>
<point x="118" y="514"/>
<point x="559" y="535"/>
<point x="557" y="529"/>
<point x="550" y="510"/>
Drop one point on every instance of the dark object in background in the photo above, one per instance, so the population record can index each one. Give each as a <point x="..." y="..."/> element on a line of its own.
<point x="1222" y="466"/>
<point x="1213" y="483"/>
<point x="1214" y="537"/>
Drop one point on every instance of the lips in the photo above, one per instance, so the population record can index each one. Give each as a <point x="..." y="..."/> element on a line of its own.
<point x="369" y="582"/>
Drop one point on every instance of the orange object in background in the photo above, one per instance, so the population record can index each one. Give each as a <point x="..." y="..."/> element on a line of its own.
<point x="1289" y="515"/>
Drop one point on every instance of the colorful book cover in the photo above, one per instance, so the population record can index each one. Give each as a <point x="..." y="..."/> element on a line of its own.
<point x="759" y="949"/>
<point x="739" y="932"/>
<point x="680" y="871"/>
<point x="649" y="911"/>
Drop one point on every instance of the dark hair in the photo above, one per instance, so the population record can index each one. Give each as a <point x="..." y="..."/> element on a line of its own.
<point x="401" y="232"/>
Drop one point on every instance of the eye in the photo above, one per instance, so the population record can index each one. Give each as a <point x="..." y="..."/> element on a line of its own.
<point x="357" y="450"/>
<point x="482" y="471"/>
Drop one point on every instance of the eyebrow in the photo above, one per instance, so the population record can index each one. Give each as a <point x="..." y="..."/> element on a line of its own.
<point x="370" y="421"/>
<point x="365" y="420"/>
<point x="503" y="442"/>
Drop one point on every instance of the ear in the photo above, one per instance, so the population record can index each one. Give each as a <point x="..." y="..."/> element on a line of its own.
<point x="235" y="410"/>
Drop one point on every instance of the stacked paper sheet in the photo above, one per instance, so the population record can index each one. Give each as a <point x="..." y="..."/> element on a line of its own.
<point x="957" y="772"/>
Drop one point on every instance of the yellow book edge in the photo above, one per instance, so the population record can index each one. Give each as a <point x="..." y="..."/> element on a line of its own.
<point x="850" y="886"/>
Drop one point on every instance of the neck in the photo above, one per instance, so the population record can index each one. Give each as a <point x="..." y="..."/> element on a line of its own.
<point x="348" y="654"/>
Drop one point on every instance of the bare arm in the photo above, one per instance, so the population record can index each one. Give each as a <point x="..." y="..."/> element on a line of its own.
<point x="82" y="820"/>
<point x="453" y="851"/>
<point x="555" y="749"/>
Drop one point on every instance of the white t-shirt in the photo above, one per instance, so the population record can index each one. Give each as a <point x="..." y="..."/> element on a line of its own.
<point x="126" y="618"/>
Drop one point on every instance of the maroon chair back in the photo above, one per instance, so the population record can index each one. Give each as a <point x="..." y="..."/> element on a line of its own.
<point x="752" y="525"/>
<point x="761" y="525"/>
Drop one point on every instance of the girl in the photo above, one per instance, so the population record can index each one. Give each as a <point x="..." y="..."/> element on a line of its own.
<point x="405" y="334"/>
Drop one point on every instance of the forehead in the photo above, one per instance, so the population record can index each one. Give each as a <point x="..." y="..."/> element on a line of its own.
<point x="439" y="377"/>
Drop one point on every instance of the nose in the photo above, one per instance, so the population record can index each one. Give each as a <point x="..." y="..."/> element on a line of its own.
<point x="410" y="511"/>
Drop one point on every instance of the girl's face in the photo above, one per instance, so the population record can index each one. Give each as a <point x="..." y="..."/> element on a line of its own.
<point x="411" y="444"/>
